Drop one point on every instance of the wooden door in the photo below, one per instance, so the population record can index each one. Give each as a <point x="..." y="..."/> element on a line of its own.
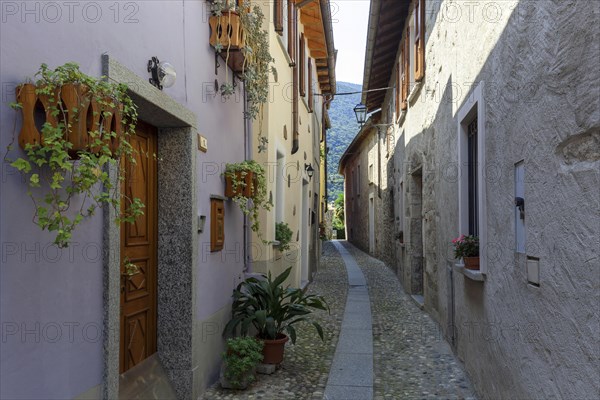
<point x="139" y="247"/>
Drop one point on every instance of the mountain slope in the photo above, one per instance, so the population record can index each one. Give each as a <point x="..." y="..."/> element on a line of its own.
<point x="343" y="129"/>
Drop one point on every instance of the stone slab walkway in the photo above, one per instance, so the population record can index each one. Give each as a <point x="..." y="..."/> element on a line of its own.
<point x="351" y="375"/>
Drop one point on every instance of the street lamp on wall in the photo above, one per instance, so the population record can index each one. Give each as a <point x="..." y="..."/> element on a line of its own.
<point x="361" y="113"/>
<point x="309" y="170"/>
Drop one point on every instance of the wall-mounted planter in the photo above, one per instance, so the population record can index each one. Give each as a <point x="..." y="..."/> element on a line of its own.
<point x="82" y="114"/>
<point x="248" y="189"/>
<point x="226" y="32"/>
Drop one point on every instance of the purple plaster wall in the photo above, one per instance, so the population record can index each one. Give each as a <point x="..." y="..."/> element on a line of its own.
<point x="51" y="301"/>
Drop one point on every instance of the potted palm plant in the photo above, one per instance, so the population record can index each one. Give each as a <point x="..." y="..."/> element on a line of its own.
<point x="273" y="310"/>
<point x="467" y="248"/>
<point x="239" y="362"/>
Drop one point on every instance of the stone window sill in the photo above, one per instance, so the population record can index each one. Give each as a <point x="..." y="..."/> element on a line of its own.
<point x="469" y="273"/>
<point x="416" y="89"/>
<point x="401" y="118"/>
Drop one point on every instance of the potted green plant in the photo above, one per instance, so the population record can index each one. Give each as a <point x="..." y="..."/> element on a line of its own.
<point x="240" y="359"/>
<point x="272" y="309"/>
<point x="467" y="248"/>
<point x="283" y="235"/>
<point x="86" y="127"/>
<point x="246" y="184"/>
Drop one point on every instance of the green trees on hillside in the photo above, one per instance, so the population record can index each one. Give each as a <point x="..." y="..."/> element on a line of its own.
<point x="338" y="214"/>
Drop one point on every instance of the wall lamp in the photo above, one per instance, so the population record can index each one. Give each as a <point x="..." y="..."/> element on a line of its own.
<point x="361" y="113"/>
<point x="309" y="170"/>
<point x="163" y="73"/>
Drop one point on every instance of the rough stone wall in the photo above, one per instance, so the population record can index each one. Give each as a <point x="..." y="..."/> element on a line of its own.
<point x="384" y="214"/>
<point x="539" y="64"/>
<point x="357" y="200"/>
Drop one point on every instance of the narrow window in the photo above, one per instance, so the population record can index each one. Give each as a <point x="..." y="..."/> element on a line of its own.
<point x="278" y="16"/>
<point x="472" y="157"/>
<point x="279" y="187"/>
<point x="520" y="238"/>
<point x="302" y="62"/>
<point x="405" y="69"/>
<point x="398" y="86"/>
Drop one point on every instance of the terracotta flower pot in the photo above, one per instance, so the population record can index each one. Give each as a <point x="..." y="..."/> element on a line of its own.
<point x="273" y="349"/>
<point x="471" y="263"/>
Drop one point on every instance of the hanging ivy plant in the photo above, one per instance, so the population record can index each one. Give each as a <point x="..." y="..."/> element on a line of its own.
<point x="257" y="199"/>
<point x="66" y="183"/>
<point x="257" y="64"/>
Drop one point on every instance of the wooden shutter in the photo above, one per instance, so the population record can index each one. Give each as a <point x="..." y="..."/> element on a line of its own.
<point x="292" y="31"/>
<point x="217" y="224"/>
<point x="419" y="40"/>
<point x="310" y="86"/>
<point x="398" y="88"/>
<point x="405" y="59"/>
<point x="278" y="16"/>
<point x="302" y="62"/>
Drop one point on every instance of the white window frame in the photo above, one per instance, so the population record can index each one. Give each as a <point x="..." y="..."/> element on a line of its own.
<point x="474" y="106"/>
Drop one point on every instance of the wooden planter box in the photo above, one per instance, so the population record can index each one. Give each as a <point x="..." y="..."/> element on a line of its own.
<point x="249" y="189"/>
<point x="227" y="31"/>
<point x="82" y="115"/>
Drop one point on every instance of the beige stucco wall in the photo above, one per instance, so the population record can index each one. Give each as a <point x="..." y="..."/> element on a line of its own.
<point x="277" y="127"/>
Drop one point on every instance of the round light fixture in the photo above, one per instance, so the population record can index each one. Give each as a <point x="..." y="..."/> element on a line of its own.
<point x="163" y="73"/>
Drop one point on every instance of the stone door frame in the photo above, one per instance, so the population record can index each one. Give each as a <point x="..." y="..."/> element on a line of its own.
<point x="177" y="244"/>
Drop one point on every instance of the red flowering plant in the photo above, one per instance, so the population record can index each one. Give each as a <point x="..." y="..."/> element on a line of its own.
<point x="466" y="246"/>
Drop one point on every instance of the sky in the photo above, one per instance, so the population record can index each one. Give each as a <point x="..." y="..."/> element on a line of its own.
<point x="350" y="19"/>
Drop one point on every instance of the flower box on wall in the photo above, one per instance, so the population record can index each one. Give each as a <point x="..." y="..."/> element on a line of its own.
<point x="227" y="36"/>
<point x="246" y="187"/>
<point x="81" y="115"/>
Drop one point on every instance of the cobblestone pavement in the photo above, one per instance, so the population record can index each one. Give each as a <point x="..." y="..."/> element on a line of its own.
<point x="305" y="368"/>
<point x="411" y="358"/>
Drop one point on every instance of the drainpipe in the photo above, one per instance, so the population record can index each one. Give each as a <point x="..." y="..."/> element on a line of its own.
<point x="247" y="156"/>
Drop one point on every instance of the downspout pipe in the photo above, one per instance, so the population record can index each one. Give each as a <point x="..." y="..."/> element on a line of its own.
<point x="247" y="156"/>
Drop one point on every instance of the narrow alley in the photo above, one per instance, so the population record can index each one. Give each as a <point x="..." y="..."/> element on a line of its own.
<point x="410" y="358"/>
